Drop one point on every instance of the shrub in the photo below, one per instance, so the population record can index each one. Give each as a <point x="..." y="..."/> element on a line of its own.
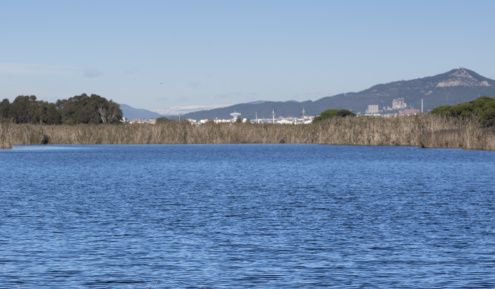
<point x="330" y="113"/>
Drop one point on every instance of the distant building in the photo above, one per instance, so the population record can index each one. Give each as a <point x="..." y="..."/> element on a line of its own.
<point x="222" y="121"/>
<point x="372" y="109"/>
<point x="398" y="103"/>
<point x="410" y="111"/>
<point x="143" y="121"/>
<point x="192" y="121"/>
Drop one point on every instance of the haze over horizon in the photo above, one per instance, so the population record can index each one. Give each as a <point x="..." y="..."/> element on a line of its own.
<point x="161" y="54"/>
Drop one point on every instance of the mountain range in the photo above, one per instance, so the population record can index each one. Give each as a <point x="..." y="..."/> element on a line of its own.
<point x="453" y="87"/>
<point x="137" y="113"/>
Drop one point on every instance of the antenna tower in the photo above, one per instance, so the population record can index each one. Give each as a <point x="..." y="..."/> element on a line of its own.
<point x="235" y="115"/>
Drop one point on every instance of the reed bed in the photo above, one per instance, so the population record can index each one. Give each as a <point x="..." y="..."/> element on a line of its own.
<point x="420" y="130"/>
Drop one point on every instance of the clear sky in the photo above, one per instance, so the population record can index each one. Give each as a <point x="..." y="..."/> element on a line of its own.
<point x="159" y="54"/>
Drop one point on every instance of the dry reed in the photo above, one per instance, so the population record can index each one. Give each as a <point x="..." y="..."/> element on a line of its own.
<point x="419" y="130"/>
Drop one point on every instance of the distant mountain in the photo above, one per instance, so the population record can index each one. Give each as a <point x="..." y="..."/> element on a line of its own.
<point x="453" y="87"/>
<point x="257" y="102"/>
<point x="136" y="113"/>
<point x="180" y="110"/>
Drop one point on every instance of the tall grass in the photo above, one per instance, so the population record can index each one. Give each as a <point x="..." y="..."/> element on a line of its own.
<point x="6" y="134"/>
<point x="420" y="130"/>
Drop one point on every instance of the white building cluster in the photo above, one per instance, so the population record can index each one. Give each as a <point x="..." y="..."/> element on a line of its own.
<point x="398" y="103"/>
<point x="399" y="107"/>
<point x="372" y="110"/>
<point x="142" y="121"/>
<point x="277" y="120"/>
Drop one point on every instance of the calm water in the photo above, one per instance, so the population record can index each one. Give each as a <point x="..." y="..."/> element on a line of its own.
<point x="238" y="216"/>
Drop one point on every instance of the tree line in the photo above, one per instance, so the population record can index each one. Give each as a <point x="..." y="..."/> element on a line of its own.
<point x="482" y="109"/>
<point x="80" y="109"/>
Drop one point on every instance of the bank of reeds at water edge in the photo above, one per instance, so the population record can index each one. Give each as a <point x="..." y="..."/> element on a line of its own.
<point x="420" y="130"/>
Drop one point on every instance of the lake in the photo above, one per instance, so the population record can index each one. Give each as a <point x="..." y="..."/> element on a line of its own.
<point x="241" y="216"/>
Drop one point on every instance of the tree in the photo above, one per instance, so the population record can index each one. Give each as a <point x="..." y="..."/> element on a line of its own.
<point x="164" y="120"/>
<point x="113" y="114"/>
<point x="329" y="113"/>
<point x="78" y="109"/>
<point x="441" y="110"/>
<point x="23" y="109"/>
<point x="4" y="108"/>
<point x="48" y="113"/>
<point x="89" y="109"/>
<point x="482" y="108"/>
<point x="68" y="109"/>
<point x="107" y="111"/>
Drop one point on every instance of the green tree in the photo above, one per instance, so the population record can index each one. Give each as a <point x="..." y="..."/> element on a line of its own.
<point x="68" y="109"/>
<point x="4" y="108"/>
<point x="23" y="109"/>
<point x="482" y="108"/>
<point x="164" y="120"/>
<point x="48" y="113"/>
<point x="329" y="113"/>
<point x="441" y="110"/>
<point x="89" y="109"/>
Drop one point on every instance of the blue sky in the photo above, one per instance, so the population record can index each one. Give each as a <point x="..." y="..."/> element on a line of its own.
<point x="160" y="54"/>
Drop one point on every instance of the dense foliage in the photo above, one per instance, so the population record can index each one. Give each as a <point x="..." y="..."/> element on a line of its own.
<point x="482" y="109"/>
<point x="330" y="113"/>
<point x="26" y="109"/>
<point x="164" y="120"/>
<point x="82" y="108"/>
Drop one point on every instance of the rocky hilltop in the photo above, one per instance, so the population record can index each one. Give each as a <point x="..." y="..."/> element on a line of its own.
<point x="452" y="87"/>
<point x="463" y="77"/>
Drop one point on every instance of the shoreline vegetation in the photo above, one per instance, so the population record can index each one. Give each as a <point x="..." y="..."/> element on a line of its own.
<point x="423" y="130"/>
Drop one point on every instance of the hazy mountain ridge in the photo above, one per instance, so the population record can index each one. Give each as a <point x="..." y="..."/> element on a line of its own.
<point x="180" y="110"/>
<point x="173" y="112"/>
<point x="137" y="113"/>
<point x="452" y="87"/>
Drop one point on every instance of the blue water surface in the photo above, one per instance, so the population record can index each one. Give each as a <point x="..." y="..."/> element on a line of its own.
<point x="246" y="216"/>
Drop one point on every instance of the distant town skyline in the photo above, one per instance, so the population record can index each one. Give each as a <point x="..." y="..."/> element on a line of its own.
<point x="162" y="54"/>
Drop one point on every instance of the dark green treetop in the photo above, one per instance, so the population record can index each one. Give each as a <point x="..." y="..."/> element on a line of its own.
<point x="89" y="109"/>
<point x="329" y="113"/>
<point x="78" y="109"/>
<point x="164" y="120"/>
<point x="482" y="108"/>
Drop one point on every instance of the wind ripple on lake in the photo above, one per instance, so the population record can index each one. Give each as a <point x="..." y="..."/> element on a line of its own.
<point x="234" y="216"/>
